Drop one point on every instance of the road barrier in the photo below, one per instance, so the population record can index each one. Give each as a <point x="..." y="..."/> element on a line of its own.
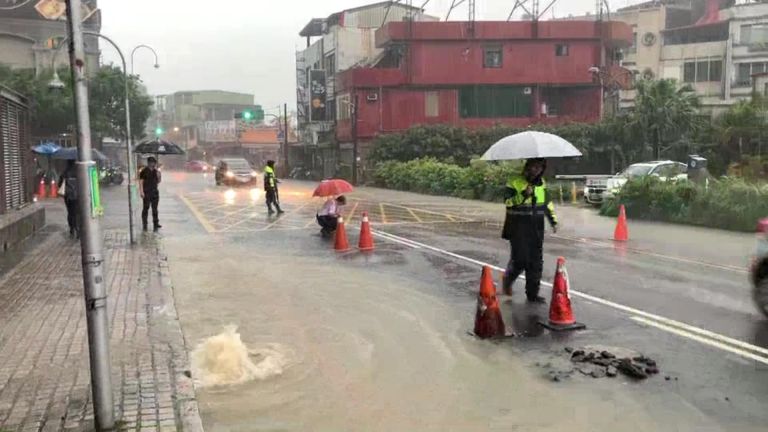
<point x="341" y="244"/>
<point x="560" y="311"/>
<point x="366" y="239"/>
<point x="621" y="233"/>
<point x="488" y="320"/>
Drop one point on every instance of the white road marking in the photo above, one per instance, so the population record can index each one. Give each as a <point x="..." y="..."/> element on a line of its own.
<point x="395" y="240"/>
<point x="706" y="341"/>
<point x="713" y="339"/>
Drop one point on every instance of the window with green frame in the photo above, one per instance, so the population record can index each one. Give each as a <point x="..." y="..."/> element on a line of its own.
<point x="494" y="102"/>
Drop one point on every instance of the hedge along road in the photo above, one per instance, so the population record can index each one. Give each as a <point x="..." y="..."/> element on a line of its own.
<point x="695" y="319"/>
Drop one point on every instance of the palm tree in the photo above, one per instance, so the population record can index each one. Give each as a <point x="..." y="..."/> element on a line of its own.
<point x="665" y="114"/>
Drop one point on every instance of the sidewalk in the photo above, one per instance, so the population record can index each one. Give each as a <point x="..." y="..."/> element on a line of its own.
<point x="44" y="373"/>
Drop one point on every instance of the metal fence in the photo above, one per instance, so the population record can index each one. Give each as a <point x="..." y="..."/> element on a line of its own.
<point x="16" y="175"/>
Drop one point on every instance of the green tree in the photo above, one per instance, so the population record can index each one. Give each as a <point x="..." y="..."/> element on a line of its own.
<point x="665" y="115"/>
<point x="740" y="130"/>
<point x="53" y="110"/>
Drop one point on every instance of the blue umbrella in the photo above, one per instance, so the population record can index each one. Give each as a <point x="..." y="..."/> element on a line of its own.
<point x="70" y="153"/>
<point x="46" y="149"/>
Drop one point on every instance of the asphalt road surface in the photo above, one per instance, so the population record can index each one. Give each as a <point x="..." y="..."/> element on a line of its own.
<point x="380" y="341"/>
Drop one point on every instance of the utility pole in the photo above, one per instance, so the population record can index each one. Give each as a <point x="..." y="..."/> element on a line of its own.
<point x="285" y="140"/>
<point x="354" y="137"/>
<point x="90" y="236"/>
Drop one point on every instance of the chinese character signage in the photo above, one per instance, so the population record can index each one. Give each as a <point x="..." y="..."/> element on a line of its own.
<point x="219" y="131"/>
<point x="318" y="95"/>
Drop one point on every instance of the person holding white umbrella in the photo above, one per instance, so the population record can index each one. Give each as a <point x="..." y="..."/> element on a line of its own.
<point x="527" y="204"/>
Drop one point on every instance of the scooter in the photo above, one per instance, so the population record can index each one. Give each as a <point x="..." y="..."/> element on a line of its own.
<point x="111" y="176"/>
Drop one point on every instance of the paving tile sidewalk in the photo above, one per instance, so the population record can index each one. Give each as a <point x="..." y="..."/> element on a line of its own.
<point x="44" y="373"/>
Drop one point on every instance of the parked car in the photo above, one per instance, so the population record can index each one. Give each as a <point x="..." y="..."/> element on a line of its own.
<point x="197" y="166"/>
<point x="759" y="270"/>
<point x="599" y="190"/>
<point x="235" y="172"/>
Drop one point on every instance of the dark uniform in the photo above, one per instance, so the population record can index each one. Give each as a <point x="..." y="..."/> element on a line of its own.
<point x="524" y="228"/>
<point x="270" y="187"/>
<point x="150" y="180"/>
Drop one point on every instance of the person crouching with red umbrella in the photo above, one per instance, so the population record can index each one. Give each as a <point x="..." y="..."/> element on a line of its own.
<point x="328" y="216"/>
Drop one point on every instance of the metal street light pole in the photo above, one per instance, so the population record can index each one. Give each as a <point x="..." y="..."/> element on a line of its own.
<point x="56" y="82"/>
<point x="157" y="63"/>
<point x="91" y="237"/>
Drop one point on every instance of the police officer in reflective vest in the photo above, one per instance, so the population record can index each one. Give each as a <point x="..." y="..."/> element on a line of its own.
<point x="270" y="187"/>
<point x="527" y="205"/>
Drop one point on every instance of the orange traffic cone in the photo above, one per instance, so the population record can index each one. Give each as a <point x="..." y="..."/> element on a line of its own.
<point x="488" y="321"/>
<point x="366" y="238"/>
<point x="621" y="233"/>
<point x="560" y="311"/>
<point x="41" y="189"/>
<point x="54" y="189"/>
<point x="341" y="243"/>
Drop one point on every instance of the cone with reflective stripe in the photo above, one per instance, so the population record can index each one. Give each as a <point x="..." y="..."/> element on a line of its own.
<point x="560" y="311"/>
<point x="488" y="320"/>
<point x="366" y="238"/>
<point x="54" y="190"/>
<point x="41" y="189"/>
<point x="621" y="233"/>
<point x="341" y="244"/>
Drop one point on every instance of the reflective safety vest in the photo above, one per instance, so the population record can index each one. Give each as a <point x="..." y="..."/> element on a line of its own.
<point x="269" y="178"/>
<point x="537" y="204"/>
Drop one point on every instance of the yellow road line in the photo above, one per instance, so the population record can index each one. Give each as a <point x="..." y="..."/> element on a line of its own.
<point x="383" y="214"/>
<point x="352" y="212"/>
<point x="200" y="217"/>
<point x="279" y="220"/>
<point x="415" y="216"/>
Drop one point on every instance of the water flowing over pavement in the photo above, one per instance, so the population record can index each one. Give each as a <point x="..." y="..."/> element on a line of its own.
<point x="380" y="341"/>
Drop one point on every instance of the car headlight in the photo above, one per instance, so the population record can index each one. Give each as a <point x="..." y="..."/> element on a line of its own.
<point x="254" y="174"/>
<point x="229" y="174"/>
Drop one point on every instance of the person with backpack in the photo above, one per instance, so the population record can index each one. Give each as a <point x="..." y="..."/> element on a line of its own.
<point x="68" y="183"/>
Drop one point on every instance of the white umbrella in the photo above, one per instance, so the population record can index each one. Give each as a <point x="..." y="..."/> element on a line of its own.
<point x="530" y="145"/>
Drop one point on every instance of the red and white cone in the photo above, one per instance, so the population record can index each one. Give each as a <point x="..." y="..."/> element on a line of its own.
<point x="366" y="238"/>
<point x="560" y="310"/>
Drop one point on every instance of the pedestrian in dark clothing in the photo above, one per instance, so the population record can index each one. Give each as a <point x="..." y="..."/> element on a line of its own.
<point x="270" y="187"/>
<point x="149" y="179"/>
<point x="527" y="206"/>
<point x="68" y="184"/>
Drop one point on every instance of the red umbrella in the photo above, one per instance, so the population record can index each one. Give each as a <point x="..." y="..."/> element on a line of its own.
<point x="332" y="187"/>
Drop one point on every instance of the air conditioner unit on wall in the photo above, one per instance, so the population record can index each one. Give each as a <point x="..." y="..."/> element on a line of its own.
<point x="372" y="97"/>
<point x="527" y="90"/>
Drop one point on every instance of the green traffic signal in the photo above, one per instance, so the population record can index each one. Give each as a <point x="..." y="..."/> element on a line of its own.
<point x="158" y="131"/>
<point x="247" y="115"/>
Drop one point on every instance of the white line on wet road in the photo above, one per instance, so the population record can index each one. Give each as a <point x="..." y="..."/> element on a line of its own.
<point x="704" y="336"/>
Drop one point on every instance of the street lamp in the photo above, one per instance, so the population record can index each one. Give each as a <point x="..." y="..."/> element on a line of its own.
<point x="157" y="63"/>
<point x="57" y="83"/>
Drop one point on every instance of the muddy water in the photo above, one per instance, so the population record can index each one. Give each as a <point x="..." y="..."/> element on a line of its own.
<point x="329" y="345"/>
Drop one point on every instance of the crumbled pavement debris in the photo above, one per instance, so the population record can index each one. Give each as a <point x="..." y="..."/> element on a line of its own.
<point x="602" y="363"/>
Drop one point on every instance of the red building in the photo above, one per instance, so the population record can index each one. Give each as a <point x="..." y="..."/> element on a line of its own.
<point x="516" y="73"/>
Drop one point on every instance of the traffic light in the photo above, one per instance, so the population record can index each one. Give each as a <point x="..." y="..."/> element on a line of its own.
<point x="251" y="114"/>
<point x="158" y="131"/>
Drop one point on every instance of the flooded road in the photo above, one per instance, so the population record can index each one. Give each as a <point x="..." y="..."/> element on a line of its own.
<point x="379" y="342"/>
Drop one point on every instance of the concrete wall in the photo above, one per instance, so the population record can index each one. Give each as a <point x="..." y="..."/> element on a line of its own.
<point x="17" y="225"/>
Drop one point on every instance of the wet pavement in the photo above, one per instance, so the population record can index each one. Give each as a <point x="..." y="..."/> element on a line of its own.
<point x="380" y="341"/>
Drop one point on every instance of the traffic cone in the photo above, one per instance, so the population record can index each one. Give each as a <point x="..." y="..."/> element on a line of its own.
<point x="54" y="189"/>
<point x="366" y="238"/>
<point x="41" y="189"/>
<point x="341" y="244"/>
<point x="560" y="311"/>
<point x="488" y="321"/>
<point x="621" y="233"/>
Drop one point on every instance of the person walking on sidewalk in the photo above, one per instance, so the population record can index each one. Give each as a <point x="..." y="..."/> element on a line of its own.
<point x="527" y="205"/>
<point x="270" y="187"/>
<point x="149" y="180"/>
<point x="68" y="185"/>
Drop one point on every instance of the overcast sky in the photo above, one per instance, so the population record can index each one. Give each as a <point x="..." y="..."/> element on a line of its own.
<point x="245" y="45"/>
